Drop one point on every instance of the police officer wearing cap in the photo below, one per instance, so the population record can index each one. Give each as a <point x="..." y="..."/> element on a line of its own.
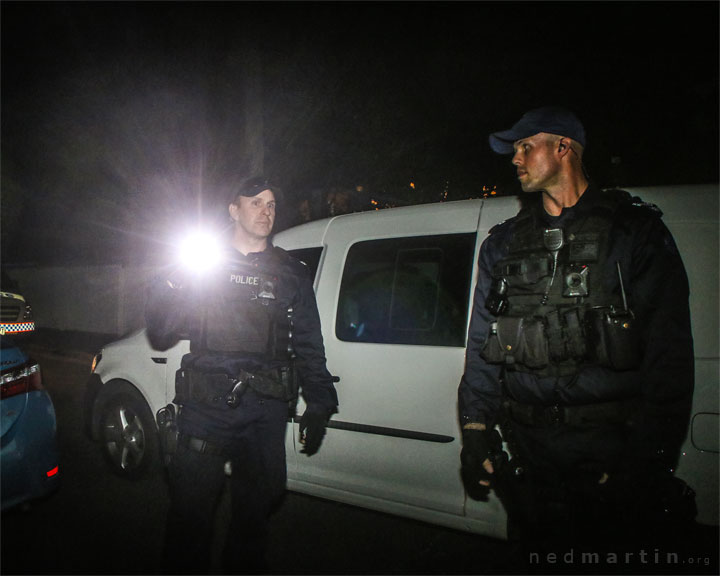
<point x="254" y="331"/>
<point x="580" y="349"/>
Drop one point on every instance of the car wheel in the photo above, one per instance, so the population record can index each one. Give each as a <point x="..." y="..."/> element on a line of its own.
<point x="128" y="434"/>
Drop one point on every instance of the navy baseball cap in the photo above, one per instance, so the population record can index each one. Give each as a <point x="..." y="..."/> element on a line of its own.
<point x="550" y="119"/>
<point x="256" y="185"/>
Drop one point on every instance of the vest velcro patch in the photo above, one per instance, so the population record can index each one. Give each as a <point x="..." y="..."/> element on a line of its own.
<point x="584" y="250"/>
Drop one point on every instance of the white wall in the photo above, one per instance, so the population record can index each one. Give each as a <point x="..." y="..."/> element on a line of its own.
<point x="102" y="299"/>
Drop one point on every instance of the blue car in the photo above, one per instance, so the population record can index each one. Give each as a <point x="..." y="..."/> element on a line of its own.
<point x="29" y="457"/>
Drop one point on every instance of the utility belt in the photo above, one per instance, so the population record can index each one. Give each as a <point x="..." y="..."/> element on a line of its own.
<point x="220" y="388"/>
<point x="201" y="446"/>
<point x="585" y="415"/>
<point x="563" y="339"/>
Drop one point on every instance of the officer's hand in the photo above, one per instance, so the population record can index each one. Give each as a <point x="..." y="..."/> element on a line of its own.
<point x="477" y="471"/>
<point x="312" y="430"/>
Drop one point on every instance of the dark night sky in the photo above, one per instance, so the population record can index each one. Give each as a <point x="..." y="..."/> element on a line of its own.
<point x="120" y="121"/>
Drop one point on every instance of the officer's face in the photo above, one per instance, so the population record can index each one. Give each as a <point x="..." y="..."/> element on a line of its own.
<point x="537" y="163"/>
<point x="255" y="215"/>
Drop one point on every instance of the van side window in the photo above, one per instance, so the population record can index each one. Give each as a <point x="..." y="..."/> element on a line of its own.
<point x="310" y="256"/>
<point x="407" y="291"/>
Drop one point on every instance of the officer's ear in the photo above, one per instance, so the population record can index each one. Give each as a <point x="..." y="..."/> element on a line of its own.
<point x="232" y="209"/>
<point x="563" y="147"/>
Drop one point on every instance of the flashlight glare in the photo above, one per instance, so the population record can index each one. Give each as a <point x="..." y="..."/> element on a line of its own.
<point x="199" y="252"/>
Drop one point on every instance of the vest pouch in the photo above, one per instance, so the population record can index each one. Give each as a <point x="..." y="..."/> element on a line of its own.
<point x="613" y="339"/>
<point x="576" y="344"/>
<point x="514" y="340"/>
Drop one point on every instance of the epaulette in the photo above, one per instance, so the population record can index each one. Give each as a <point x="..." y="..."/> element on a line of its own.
<point x="496" y="227"/>
<point x="653" y="208"/>
<point x="612" y="198"/>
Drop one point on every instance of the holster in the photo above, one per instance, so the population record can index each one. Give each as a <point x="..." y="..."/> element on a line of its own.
<point x="168" y="431"/>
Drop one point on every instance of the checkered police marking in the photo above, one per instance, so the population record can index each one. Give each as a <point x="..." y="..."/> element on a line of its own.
<point x="15" y="327"/>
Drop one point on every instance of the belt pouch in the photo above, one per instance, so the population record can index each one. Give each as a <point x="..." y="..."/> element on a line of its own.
<point x="190" y="385"/>
<point x="182" y="386"/>
<point x="270" y="384"/>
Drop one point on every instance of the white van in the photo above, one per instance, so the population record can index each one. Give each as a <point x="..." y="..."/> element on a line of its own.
<point x="394" y="291"/>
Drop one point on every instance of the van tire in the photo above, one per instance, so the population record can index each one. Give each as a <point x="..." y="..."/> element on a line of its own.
<point x="127" y="432"/>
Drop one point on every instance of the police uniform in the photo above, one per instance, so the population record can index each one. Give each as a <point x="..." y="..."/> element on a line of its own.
<point x="234" y="389"/>
<point x="580" y="346"/>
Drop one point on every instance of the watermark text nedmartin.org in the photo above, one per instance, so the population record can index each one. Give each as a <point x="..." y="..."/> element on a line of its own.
<point x="587" y="558"/>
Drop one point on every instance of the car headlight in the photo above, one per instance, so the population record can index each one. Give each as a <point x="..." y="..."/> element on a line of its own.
<point x="95" y="361"/>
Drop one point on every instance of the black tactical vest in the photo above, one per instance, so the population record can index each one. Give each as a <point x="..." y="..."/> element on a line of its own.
<point x="242" y="309"/>
<point x="555" y="312"/>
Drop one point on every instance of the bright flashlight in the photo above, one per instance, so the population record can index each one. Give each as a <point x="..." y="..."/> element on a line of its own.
<point x="200" y="252"/>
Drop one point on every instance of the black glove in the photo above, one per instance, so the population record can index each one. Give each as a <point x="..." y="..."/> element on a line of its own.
<point x="312" y="430"/>
<point x="478" y="446"/>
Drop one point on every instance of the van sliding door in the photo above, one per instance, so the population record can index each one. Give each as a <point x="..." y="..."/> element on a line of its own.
<point x="394" y="298"/>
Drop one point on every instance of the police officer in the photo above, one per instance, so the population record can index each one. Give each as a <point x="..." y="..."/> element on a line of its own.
<point x="252" y="322"/>
<point x="580" y="347"/>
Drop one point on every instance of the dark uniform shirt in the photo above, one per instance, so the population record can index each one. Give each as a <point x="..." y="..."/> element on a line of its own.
<point x="656" y="288"/>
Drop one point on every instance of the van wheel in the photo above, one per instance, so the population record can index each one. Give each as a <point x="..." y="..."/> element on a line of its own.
<point x="128" y="434"/>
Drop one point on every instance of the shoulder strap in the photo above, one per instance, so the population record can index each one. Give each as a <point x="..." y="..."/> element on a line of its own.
<point x="613" y="198"/>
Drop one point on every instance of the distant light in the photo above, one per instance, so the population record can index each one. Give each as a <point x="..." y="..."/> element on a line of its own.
<point x="412" y="185"/>
<point x="51" y="473"/>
